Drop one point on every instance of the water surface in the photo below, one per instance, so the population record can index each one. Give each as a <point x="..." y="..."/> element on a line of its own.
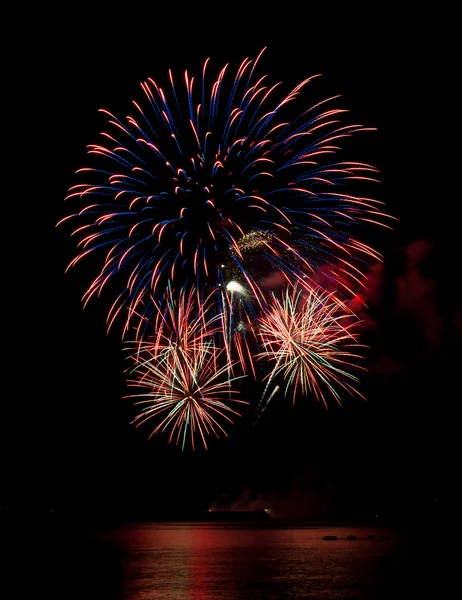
<point x="229" y="561"/>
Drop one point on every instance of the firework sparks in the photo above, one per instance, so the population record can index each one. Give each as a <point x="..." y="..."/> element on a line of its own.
<point x="182" y="378"/>
<point x="209" y="190"/>
<point x="216" y="180"/>
<point x="310" y="338"/>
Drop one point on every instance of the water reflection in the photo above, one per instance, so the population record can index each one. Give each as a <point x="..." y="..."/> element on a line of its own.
<point x="209" y="562"/>
<point x="194" y="561"/>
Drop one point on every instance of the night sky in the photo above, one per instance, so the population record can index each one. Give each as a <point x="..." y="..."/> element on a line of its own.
<point x="68" y="444"/>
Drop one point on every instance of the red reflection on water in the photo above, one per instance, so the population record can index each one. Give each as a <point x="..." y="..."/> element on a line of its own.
<point x="203" y="561"/>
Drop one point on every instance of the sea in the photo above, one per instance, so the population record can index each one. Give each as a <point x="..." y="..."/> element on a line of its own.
<point x="225" y="561"/>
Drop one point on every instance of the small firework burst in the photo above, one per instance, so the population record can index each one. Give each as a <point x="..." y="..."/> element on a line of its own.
<point x="310" y="338"/>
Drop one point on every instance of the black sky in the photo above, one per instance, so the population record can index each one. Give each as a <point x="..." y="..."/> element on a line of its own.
<point x="68" y="442"/>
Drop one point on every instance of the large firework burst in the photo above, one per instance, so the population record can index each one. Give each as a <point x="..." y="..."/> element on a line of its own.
<point x="219" y="180"/>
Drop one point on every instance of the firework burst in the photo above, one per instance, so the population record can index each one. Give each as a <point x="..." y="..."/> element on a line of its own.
<point x="182" y="378"/>
<point x="213" y="180"/>
<point x="311" y="339"/>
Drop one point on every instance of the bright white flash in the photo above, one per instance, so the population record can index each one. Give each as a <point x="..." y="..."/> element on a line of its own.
<point x="234" y="286"/>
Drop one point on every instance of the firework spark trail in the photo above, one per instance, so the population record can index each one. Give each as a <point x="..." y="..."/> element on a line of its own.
<point x="310" y="338"/>
<point x="183" y="319"/>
